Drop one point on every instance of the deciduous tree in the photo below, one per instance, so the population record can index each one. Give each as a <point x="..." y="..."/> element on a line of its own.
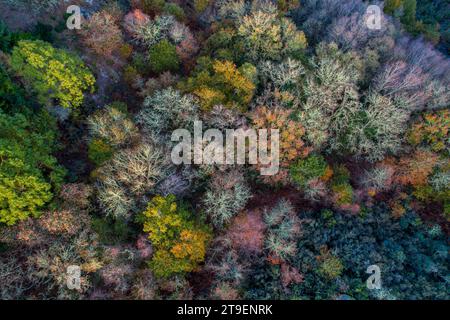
<point x="54" y="74"/>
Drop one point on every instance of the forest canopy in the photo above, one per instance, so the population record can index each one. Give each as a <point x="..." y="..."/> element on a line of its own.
<point x="356" y="120"/>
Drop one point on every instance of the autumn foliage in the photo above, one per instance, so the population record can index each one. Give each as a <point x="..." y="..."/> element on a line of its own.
<point x="180" y="244"/>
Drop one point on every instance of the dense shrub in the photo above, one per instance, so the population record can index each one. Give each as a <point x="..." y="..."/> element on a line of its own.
<point x="9" y="39"/>
<point x="201" y="5"/>
<point x="333" y="258"/>
<point x="163" y="57"/>
<point x="152" y="6"/>
<point x="410" y="256"/>
<point x="36" y="6"/>
<point x="340" y="185"/>
<point x="330" y="266"/>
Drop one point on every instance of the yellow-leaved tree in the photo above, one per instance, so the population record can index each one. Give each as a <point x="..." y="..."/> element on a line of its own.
<point x="222" y="83"/>
<point x="54" y="74"/>
<point x="179" y="242"/>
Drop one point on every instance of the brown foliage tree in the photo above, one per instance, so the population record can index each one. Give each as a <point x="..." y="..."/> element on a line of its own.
<point x="102" y="34"/>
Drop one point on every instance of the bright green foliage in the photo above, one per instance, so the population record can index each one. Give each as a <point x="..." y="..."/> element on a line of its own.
<point x="222" y="83"/>
<point x="179" y="243"/>
<point x="23" y="195"/>
<point x="163" y="57"/>
<point x="28" y="172"/>
<point x="305" y="170"/>
<point x="52" y="73"/>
